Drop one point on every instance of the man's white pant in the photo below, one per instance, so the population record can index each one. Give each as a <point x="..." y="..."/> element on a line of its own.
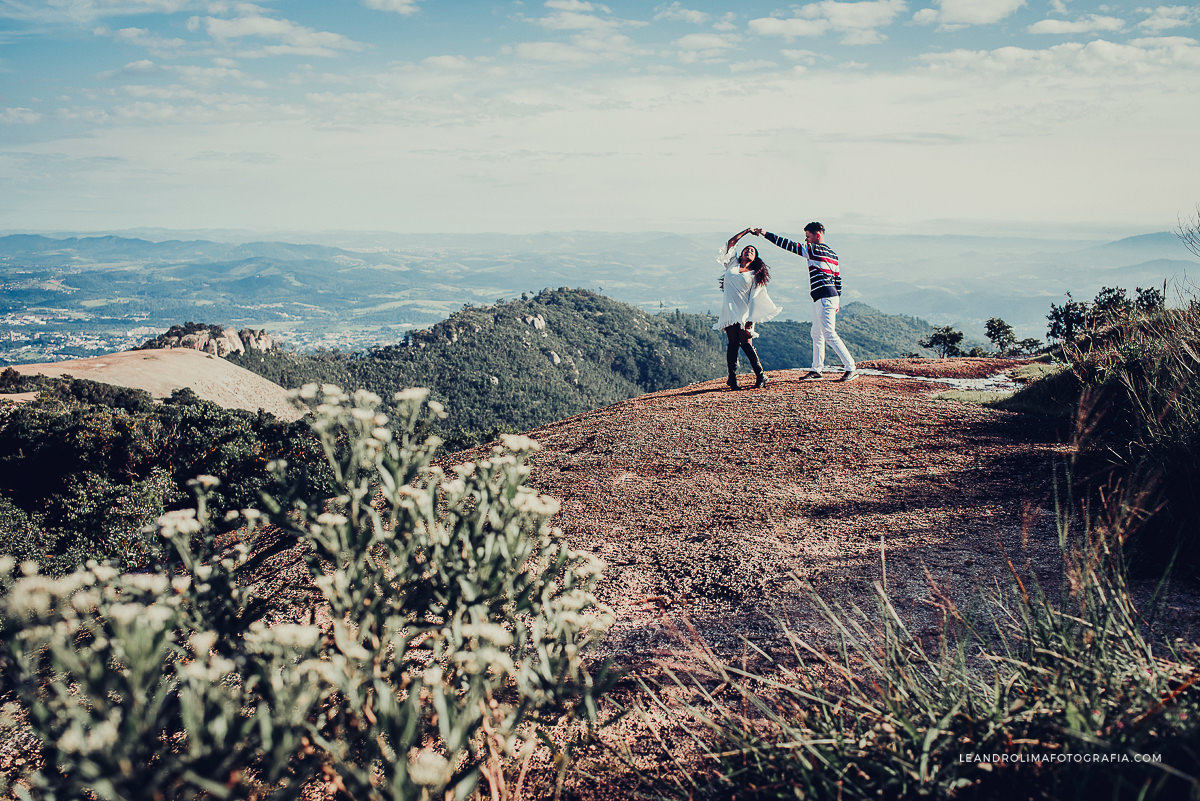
<point x="824" y="330"/>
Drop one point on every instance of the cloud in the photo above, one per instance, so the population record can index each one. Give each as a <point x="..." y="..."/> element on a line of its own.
<point x="448" y="62"/>
<point x="754" y="65"/>
<point x="291" y="38"/>
<point x="19" y="116"/>
<point x="727" y="22"/>
<point x="135" y="68"/>
<point x="555" y="52"/>
<point x="160" y="46"/>
<point x="395" y="6"/>
<point x="1165" y="18"/>
<point x="697" y="47"/>
<point x="858" y="22"/>
<point x="677" y="13"/>
<point x="1093" y="23"/>
<point x="86" y="11"/>
<point x="1132" y="60"/>
<point x="951" y="14"/>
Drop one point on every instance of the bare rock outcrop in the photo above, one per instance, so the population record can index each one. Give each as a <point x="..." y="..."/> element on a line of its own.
<point x="212" y="339"/>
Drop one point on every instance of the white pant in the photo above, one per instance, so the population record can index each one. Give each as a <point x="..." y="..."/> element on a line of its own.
<point x="823" y="330"/>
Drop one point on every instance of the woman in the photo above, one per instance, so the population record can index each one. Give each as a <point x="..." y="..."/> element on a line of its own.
<point x="746" y="302"/>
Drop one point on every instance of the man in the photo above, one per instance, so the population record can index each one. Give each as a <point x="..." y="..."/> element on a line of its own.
<point x="825" y="287"/>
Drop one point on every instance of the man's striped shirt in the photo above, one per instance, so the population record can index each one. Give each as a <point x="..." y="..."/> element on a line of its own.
<point x="824" y="278"/>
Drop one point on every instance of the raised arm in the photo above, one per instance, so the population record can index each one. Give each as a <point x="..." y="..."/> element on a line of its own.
<point x="733" y="240"/>
<point x="782" y="242"/>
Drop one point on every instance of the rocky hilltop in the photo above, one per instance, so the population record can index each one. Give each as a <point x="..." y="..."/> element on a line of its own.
<point x="212" y="339"/>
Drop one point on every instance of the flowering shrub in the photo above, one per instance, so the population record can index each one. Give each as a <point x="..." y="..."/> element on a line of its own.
<point x="455" y="618"/>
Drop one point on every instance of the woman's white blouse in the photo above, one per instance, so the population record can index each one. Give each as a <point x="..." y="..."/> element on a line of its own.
<point x="743" y="302"/>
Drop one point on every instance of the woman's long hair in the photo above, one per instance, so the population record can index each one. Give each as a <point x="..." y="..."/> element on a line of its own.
<point x="759" y="267"/>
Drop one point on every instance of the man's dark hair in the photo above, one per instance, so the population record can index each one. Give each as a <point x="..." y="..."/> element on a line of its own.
<point x="815" y="226"/>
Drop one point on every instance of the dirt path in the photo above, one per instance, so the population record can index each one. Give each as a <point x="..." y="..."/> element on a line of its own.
<point x="710" y="504"/>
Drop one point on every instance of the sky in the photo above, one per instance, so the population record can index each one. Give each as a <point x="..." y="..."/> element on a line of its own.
<point x="1062" y="118"/>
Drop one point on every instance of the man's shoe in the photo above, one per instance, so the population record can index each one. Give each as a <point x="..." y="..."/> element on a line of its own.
<point x="732" y="382"/>
<point x="849" y="375"/>
<point x="811" y="375"/>
<point x="762" y="381"/>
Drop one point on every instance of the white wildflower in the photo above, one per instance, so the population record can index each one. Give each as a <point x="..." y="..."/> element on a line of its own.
<point x="382" y="434"/>
<point x="181" y="583"/>
<point x="205" y="481"/>
<point x="493" y="632"/>
<point x="105" y="573"/>
<point x="126" y="613"/>
<point x="150" y="583"/>
<point x="362" y="414"/>
<point x="519" y="443"/>
<point x="533" y="503"/>
<point x="7" y="563"/>
<point x="364" y="397"/>
<point x="202" y="642"/>
<point x="182" y="521"/>
<point x="288" y="635"/>
<point x="417" y="394"/>
<point x="29" y="568"/>
<point x="429" y="769"/>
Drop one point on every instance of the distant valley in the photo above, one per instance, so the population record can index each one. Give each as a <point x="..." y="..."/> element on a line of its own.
<point x="76" y="296"/>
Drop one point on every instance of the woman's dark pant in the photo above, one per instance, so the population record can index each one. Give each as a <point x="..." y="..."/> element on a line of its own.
<point x="740" y="338"/>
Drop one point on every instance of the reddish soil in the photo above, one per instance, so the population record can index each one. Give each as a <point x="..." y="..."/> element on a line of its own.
<point x="716" y="505"/>
<point x="965" y="367"/>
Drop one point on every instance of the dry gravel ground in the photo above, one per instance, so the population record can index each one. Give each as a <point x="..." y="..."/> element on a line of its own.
<point x="714" y="505"/>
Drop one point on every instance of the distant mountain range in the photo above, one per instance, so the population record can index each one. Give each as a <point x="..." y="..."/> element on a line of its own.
<point x="78" y="295"/>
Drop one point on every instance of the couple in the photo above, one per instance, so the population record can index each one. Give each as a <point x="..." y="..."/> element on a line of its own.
<point x="746" y="301"/>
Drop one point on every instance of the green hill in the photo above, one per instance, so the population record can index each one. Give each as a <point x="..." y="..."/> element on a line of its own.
<point x="526" y="362"/>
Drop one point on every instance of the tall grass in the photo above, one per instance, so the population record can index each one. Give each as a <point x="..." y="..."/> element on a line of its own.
<point x="1140" y="422"/>
<point x="1033" y="693"/>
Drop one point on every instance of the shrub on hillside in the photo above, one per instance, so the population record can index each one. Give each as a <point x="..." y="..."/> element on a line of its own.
<point x="86" y="466"/>
<point x="457" y="622"/>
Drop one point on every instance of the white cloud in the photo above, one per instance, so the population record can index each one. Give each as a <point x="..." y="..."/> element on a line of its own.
<point x="809" y="57"/>
<point x="19" y="116"/>
<point x="858" y="22"/>
<point x="696" y="47"/>
<point x="1164" y="18"/>
<point x="1117" y="62"/>
<point x="395" y="6"/>
<point x="447" y="62"/>
<point x="140" y="37"/>
<point x="140" y="67"/>
<point x="677" y="13"/>
<point x="788" y="28"/>
<point x="86" y="11"/>
<point x="555" y="52"/>
<point x="754" y="65"/>
<point x="727" y="22"/>
<point x="705" y="41"/>
<point x="292" y="38"/>
<point x="957" y="13"/>
<point x="1093" y="23"/>
<point x="575" y="5"/>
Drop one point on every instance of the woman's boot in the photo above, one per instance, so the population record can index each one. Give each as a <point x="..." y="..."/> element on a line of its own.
<point x="752" y="355"/>
<point x="731" y="356"/>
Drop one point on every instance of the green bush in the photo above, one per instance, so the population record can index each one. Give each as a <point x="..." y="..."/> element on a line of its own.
<point x="457" y="625"/>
